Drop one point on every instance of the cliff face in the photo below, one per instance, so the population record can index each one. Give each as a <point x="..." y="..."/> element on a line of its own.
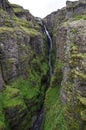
<point x="22" y="50"/>
<point x="73" y="93"/>
<point x="65" y="101"/>
<point x="24" y="69"/>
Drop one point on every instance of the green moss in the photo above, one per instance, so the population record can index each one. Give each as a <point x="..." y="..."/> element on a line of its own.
<point x="25" y="57"/>
<point x="53" y="107"/>
<point x="78" y="73"/>
<point x="41" y="69"/>
<point x="57" y="76"/>
<point x="6" y="29"/>
<point x="31" y="32"/>
<point x="51" y="97"/>
<point x="78" y="56"/>
<point x="83" y="115"/>
<point x="78" y="17"/>
<point x="82" y="100"/>
<point x="24" y="92"/>
<point x="18" y="9"/>
<point x="53" y="110"/>
<point x="27" y="87"/>
<point x="37" y="27"/>
<point x="3" y="123"/>
<point x="31" y="86"/>
<point x="12" y="98"/>
<point x="74" y="31"/>
<point x="44" y="68"/>
<point x="5" y="18"/>
<point x="11" y="61"/>
<point x="22" y="22"/>
<point x="13" y="101"/>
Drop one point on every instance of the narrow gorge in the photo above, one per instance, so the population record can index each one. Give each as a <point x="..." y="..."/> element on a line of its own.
<point x="43" y="68"/>
<point x="38" y="122"/>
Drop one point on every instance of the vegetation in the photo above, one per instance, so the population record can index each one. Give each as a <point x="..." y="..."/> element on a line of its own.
<point x="53" y="106"/>
<point x="78" y="17"/>
<point x="25" y="94"/>
<point x="53" y="110"/>
<point x="58" y="75"/>
<point x="2" y="116"/>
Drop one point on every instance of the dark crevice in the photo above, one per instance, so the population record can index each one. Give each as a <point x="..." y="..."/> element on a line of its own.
<point x="38" y="123"/>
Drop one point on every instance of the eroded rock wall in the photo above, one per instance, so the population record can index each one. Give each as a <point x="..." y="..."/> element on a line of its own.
<point x="23" y="67"/>
<point x="73" y="93"/>
<point x="70" y="108"/>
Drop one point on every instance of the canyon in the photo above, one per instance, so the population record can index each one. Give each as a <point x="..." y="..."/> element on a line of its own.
<point x="43" y="68"/>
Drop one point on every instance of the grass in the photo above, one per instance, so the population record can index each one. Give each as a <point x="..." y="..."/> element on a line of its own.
<point x="2" y="116"/>
<point x="12" y="98"/>
<point x="78" y="17"/>
<point x="5" y="29"/>
<point x="57" y="75"/>
<point x="27" y="26"/>
<point x="22" y="22"/>
<point x="18" y="10"/>
<point x="54" y="119"/>
<point x="51" y="97"/>
<point x="32" y="32"/>
<point x="13" y="101"/>
<point x="28" y="88"/>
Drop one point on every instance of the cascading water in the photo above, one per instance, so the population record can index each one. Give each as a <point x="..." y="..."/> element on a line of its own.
<point x="38" y="123"/>
<point x="49" y="48"/>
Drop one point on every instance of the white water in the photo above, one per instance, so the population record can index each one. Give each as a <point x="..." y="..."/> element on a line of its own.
<point x="50" y="49"/>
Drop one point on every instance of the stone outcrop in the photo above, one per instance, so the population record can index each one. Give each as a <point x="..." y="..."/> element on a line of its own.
<point x="76" y="8"/>
<point x="49" y="21"/>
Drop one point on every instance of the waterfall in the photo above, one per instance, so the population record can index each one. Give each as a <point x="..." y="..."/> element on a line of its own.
<point x="49" y="43"/>
<point x="49" y="49"/>
<point x="37" y="124"/>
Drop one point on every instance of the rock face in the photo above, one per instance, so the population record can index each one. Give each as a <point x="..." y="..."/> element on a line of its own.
<point x="76" y="8"/>
<point x="22" y="50"/>
<point x="18" y="38"/>
<point x="49" y="21"/>
<point x="73" y="93"/>
<point x="69" y="111"/>
<point x="24" y="68"/>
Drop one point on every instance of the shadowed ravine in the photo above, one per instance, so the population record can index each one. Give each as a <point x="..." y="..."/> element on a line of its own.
<point x="38" y="123"/>
<point x="43" y="68"/>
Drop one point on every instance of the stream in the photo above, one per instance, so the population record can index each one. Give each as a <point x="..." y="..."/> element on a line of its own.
<point x="38" y="123"/>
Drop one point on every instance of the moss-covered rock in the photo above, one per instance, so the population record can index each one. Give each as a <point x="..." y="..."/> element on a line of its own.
<point x="15" y="109"/>
<point x="69" y="112"/>
<point x="53" y="110"/>
<point x="53" y="107"/>
<point x="23" y="67"/>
